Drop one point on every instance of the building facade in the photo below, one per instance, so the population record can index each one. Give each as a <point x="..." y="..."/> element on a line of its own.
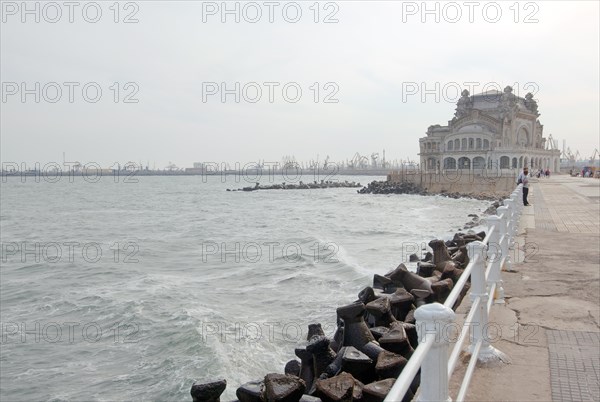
<point x="492" y="130"/>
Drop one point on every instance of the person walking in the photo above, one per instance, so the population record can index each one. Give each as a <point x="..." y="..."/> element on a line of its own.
<point x="524" y="179"/>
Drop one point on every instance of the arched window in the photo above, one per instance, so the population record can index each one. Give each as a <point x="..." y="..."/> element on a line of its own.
<point x="464" y="163"/>
<point x="450" y="145"/>
<point x="478" y="143"/>
<point x="514" y="163"/>
<point x="471" y="143"/>
<point x="478" y="163"/>
<point x="504" y="162"/>
<point x="456" y="144"/>
<point x="449" y="163"/>
<point x="429" y="145"/>
<point x="486" y="144"/>
<point x="463" y="144"/>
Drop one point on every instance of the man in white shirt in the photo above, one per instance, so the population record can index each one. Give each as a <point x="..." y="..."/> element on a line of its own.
<point x="524" y="178"/>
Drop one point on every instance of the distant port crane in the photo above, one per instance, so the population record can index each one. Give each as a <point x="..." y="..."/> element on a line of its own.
<point x="358" y="162"/>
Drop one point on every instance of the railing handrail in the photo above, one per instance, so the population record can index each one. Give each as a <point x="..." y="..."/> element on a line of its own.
<point x="487" y="282"/>
<point x="412" y="367"/>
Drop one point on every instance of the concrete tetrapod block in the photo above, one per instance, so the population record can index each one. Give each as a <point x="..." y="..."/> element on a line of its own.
<point x="451" y="271"/>
<point x="323" y="355"/>
<point x="292" y="367"/>
<point x="334" y="367"/>
<point x="208" y="391"/>
<point x="366" y="295"/>
<point x="336" y="389"/>
<point x="389" y="364"/>
<point x="380" y="309"/>
<point x="251" y="391"/>
<point x="358" y="364"/>
<point x="377" y="391"/>
<point x="401" y="302"/>
<point x="378" y="332"/>
<point x="307" y="370"/>
<point x="314" y="330"/>
<point x="411" y="334"/>
<point x="383" y="283"/>
<point x="356" y="331"/>
<point x="283" y="388"/>
<point x="425" y="269"/>
<point x="396" y="340"/>
<point x="442" y="289"/>
<point x="440" y="254"/>
<point x="402" y="277"/>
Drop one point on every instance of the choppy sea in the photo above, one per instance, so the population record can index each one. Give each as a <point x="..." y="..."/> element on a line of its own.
<point x="114" y="290"/>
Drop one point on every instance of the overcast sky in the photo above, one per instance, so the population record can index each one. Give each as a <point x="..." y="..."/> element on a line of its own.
<point x="375" y="61"/>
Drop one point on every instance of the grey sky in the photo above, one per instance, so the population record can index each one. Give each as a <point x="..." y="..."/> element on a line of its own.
<point x="370" y="54"/>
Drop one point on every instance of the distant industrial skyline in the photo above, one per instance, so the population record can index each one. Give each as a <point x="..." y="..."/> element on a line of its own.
<point x="183" y="82"/>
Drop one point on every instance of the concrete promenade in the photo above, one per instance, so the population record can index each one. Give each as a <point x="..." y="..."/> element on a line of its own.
<point x="549" y="326"/>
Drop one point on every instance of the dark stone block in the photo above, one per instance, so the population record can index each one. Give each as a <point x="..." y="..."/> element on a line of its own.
<point x="307" y="370"/>
<point x="442" y="289"/>
<point x="440" y="254"/>
<point x="377" y="391"/>
<point x="425" y="269"/>
<point x="396" y="340"/>
<point x="357" y="363"/>
<point x="283" y="388"/>
<point x="383" y="283"/>
<point x="389" y="364"/>
<point x="208" y="391"/>
<point x="356" y="331"/>
<point x="410" y="317"/>
<point x="251" y="391"/>
<point x="378" y="332"/>
<point x="293" y="367"/>
<point x="411" y="334"/>
<point x="366" y="295"/>
<point x="336" y="389"/>
<point x="401" y="302"/>
<point x="323" y="355"/>
<point x="372" y="349"/>
<point x="422" y="296"/>
<point x="314" y="330"/>
<point x="402" y="277"/>
<point x="380" y="309"/>
<point x="428" y="257"/>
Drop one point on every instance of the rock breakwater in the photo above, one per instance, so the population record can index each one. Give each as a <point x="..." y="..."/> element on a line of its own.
<point x="406" y="187"/>
<point x="301" y="186"/>
<point x="375" y="337"/>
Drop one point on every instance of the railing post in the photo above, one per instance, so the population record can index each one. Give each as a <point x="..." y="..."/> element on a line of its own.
<point x="512" y="229"/>
<point x="434" y="318"/>
<point x="494" y="254"/>
<point x="479" y="291"/>
<point x="480" y="325"/>
<point x="503" y="213"/>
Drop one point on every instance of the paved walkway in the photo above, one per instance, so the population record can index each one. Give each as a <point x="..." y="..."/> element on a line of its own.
<point x="549" y="326"/>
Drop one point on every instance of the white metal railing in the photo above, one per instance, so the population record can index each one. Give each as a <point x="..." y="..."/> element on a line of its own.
<point x="487" y="259"/>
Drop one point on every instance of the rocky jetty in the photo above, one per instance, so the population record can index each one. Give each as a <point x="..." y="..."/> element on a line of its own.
<point x="375" y="337"/>
<point x="385" y="187"/>
<point x="405" y="187"/>
<point x="301" y="186"/>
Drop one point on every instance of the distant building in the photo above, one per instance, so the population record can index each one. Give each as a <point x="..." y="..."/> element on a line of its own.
<point x="493" y="130"/>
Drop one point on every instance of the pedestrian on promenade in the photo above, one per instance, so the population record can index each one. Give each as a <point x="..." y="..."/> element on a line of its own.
<point x="524" y="178"/>
<point x="547" y="173"/>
